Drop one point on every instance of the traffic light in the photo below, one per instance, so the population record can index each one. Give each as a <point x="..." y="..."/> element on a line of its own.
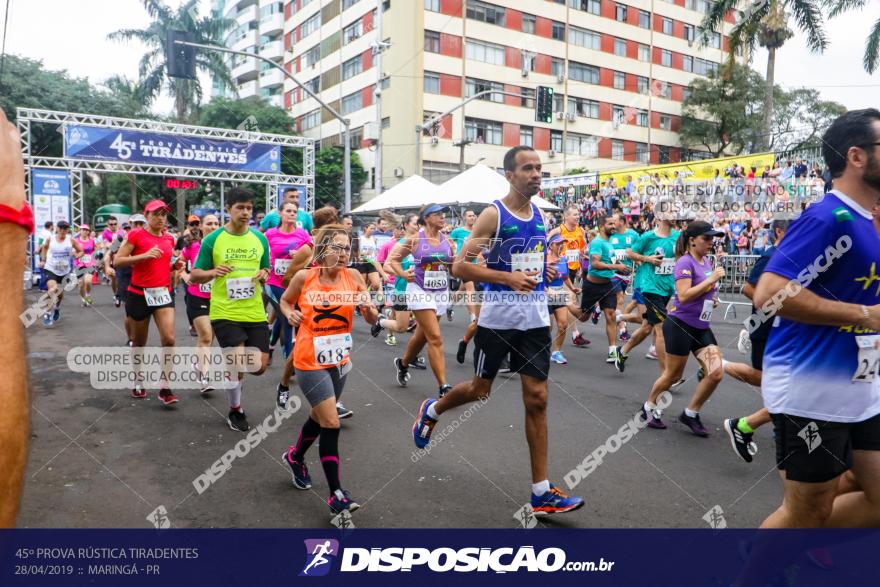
<point x="544" y="104"/>
<point x="180" y="60"/>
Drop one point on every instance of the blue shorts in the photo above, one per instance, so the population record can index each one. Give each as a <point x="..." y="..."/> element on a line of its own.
<point x="637" y="297"/>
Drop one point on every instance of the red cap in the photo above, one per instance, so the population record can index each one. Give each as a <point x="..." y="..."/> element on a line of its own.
<point x="154" y="205"/>
<point x="193" y="218"/>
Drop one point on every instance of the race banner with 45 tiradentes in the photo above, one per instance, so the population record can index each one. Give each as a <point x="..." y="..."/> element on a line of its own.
<point x="97" y="143"/>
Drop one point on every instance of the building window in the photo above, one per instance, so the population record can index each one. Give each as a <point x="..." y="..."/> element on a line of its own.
<point x="314" y="84"/>
<point x="620" y="12"/>
<point x="558" y="102"/>
<point x="664" y="89"/>
<point x="352" y="103"/>
<point x="357" y="137"/>
<point x="641" y="84"/>
<point x="312" y="56"/>
<point x="486" y="132"/>
<point x="644" y="19"/>
<point x="591" y="6"/>
<point x="583" y="145"/>
<point x="309" y="26"/>
<point x="432" y="5"/>
<point x="489" y="13"/>
<point x="666" y="57"/>
<point x="352" y="67"/>
<point x="475" y="86"/>
<point x="528" y="24"/>
<point x="690" y="4"/>
<point x="352" y="32"/>
<point x="485" y="52"/>
<point x="386" y="122"/>
<point x="689" y="33"/>
<point x="620" y="47"/>
<point x="583" y="73"/>
<point x="617" y="150"/>
<point x="266" y="12"/>
<point x="583" y="107"/>
<point x="642" y="152"/>
<point x="665" y="122"/>
<point x="617" y="115"/>
<point x="558" y="32"/>
<point x="663" y="153"/>
<point x="346" y="4"/>
<point x="527" y="99"/>
<point x="667" y="26"/>
<point x="557" y="66"/>
<point x="685" y="93"/>
<point x="644" y="53"/>
<point x="432" y="83"/>
<point x="714" y="39"/>
<point x="619" y="80"/>
<point x="705" y="67"/>
<point x="526" y="136"/>
<point x="687" y="63"/>
<point x="310" y="120"/>
<point x="641" y="118"/>
<point x="556" y="140"/>
<point x="432" y="42"/>
<point x="528" y="60"/>
<point x="582" y="38"/>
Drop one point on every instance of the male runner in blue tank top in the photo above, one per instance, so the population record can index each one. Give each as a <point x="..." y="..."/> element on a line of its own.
<point x="514" y="319"/>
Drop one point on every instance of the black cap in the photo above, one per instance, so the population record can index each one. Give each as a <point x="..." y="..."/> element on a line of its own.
<point x="700" y="228"/>
<point x="63" y="224"/>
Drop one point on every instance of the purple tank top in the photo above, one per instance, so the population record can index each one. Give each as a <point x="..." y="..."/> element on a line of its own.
<point x="432" y="262"/>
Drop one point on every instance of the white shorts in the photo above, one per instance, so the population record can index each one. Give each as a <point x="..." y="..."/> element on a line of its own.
<point x="420" y="299"/>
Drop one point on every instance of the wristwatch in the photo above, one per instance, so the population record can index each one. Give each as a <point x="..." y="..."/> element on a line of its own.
<point x="23" y="217"/>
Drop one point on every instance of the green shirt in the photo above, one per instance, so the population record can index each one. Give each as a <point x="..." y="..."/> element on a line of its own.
<point x="622" y="242"/>
<point x="247" y="253"/>
<point x="603" y="248"/>
<point x="273" y="220"/>
<point x="647" y="278"/>
<point x="459" y="235"/>
<point x="406" y="264"/>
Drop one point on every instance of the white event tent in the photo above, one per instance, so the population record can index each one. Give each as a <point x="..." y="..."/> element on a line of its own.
<point x="413" y="192"/>
<point x="480" y="185"/>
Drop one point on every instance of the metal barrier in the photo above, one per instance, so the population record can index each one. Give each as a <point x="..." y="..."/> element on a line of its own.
<point x="737" y="269"/>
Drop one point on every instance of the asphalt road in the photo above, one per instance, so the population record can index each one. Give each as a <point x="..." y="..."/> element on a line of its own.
<point x="102" y="459"/>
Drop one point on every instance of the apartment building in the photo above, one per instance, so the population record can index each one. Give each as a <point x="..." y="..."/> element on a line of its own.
<point x="619" y="71"/>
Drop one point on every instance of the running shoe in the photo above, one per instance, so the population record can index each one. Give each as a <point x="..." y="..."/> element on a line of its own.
<point x="391" y="340"/>
<point x="654" y="419"/>
<point x="612" y="356"/>
<point x="300" y="473"/>
<point x="743" y="342"/>
<point x="138" y="392"/>
<point x="192" y="331"/>
<point x="116" y="301"/>
<point x="47" y="320"/>
<point x="84" y="302"/>
<point x="462" y="350"/>
<point x="205" y="385"/>
<point x="624" y="335"/>
<point x="56" y="315"/>
<point x="424" y="424"/>
<point x="701" y="373"/>
<point x="444" y="389"/>
<point x="652" y="353"/>
<point x="505" y="365"/>
<point x="579" y="340"/>
<point x="594" y="316"/>
<point x="694" y="424"/>
<point x="237" y="421"/>
<point x="376" y="328"/>
<point x="419" y="363"/>
<point x="89" y="301"/>
<point x="620" y="359"/>
<point x="676" y="385"/>
<point x="341" y="500"/>
<point x="403" y="374"/>
<point x="450" y="314"/>
<point x="554" y="501"/>
<point x="412" y="325"/>
<point x="342" y="412"/>
<point x="282" y="396"/>
<point x="740" y="441"/>
<point x="558" y="358"/>
<point x="167" y="397"/>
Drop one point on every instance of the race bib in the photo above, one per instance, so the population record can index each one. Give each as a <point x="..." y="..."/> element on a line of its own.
<point x="573" y="255"/>
<point x="85" y="259"/>
<point x="620" y="255"/>
<point x="332" y="349"/>
<point x="436" y="279"/>
<point x="206" y="287"/>
<point x="556" y="295"/>
<point x="869" y="358"/>
<point x="667" y="266"/>
<point x="59" y="267"/>
<point x="242" y="288"/>
<point x="528" y="263"/>
<point x="157" y="296"/>
<point x="282" y="265"/>
<point x="706" y="314"/>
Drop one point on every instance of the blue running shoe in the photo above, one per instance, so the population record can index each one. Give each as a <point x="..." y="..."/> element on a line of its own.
<point x="47" y="320"/>
<point x="56" y="315"/>
<point x="341" y="500"/>
<point x="558" y="358"/>
<point x="554" y="501"/>
<point x="301" y="477"/>
<point x="424" y="424"/>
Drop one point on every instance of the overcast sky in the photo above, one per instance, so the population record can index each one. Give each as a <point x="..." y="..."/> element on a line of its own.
<point x="72" y="35"/>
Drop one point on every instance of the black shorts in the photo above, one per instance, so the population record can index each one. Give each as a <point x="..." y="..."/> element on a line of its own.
<point x="398" y="301"/>
<point x="655" y="308"/>
<point x="683" y="339"/>
<point x="604" y="293"/>
<point x="553" y="309"/>
<point x="59" y="279"/>
<point x="529" y="351"/>
<point x="123" y="280"/>
<point x="758" y="346"/>
<point x="137" y="309"/>
<point x="365" y="268"/>
<point x="196" y="307"/>
<point x="231" y="334"/>
<point x="815" y="451"/>
<point x="574" y="274"/>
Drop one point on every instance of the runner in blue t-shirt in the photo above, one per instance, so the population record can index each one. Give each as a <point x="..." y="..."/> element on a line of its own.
<point x="820" y="379"/>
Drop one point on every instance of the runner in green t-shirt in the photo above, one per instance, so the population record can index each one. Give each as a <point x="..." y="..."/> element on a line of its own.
<point x="235" y="260"/>
<point x="459" y="235"/>
<point x="622" y="240"/>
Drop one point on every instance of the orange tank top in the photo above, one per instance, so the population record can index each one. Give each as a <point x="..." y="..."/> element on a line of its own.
<point x="323" y="339"/>
<point x="574" y="242"/>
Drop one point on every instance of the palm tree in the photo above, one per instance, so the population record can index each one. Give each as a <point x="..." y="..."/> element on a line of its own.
<point x="765" y="23"/>
<point x="871" y="58"/>
<point x="153" y="76"/>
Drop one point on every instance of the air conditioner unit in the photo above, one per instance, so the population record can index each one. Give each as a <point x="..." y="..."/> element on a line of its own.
<point x="560" y="78"/>
<point x="552" y="153"/>
<point x="570" y="116"/>
<point x="435" y="141"/>
<point x="398" y="172"/>
<point x="560" y="115"/>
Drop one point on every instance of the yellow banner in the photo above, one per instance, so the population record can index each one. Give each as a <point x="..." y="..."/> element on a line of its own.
<point x="690" y="171"/>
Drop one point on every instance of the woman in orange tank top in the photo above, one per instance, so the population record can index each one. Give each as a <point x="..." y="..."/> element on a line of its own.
<point x="320" y="302"/>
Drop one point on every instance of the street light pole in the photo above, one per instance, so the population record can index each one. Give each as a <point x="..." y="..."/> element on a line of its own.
<point x="346" y="123"/>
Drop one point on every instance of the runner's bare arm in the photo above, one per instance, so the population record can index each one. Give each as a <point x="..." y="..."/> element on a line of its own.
<point x="77" y="249"/>
<point x="291" y="295"/>
<point x="810" y="308"/>
<point x="400" y="250"/>
<point x="368" y="311"/>
<point x="301" y="259"/>
<point x="124" y="258"/>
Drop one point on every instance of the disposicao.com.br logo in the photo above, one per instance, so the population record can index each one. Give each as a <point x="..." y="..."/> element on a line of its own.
<point x="442" y="560"/>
